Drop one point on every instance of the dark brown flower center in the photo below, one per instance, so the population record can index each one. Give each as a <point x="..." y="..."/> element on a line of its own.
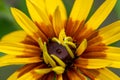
<point x="58" y="50"/>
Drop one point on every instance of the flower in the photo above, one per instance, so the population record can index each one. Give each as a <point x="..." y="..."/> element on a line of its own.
<point x="52" y="46"/>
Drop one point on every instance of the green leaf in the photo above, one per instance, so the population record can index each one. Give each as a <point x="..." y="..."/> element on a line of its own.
<point x="117" y="8"/>
<point x="68" y="5"/>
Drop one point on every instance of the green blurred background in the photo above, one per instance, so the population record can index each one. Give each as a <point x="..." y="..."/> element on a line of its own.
<point x="8" y="24"/>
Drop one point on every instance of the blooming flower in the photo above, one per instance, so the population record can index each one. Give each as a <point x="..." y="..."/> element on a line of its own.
<point x="52" y="46"/>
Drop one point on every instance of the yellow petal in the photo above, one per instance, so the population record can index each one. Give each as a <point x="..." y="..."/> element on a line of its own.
<point x="78" y="14"/>
<point x="109" y="53"/>
<point x="112" y="39"/>
<point x="13" y="76"/>
<point x="114" y="33"/>
<point x="82" y="77"/>
<point x="107" y="35"/>
<point x="112" y="56"/>
<point x="29" y="78"/>
<point x="97" y="19"/>
<point x="115" y="64"/>
<point x="94" y="55"/>
<point x="113" y="49"/>
<point x="96" y="48"/>
<point x="49" y="76"/>
<point x="52" y="7"/>
<point x="13" y="60"/>
<point x="92" y="63"/>
<point x="101" y="14"/>
<point x="48" y="29"/>
<point x="59" y="77"/>
<point x="19" y="49"/>
<point x="91" y="75"/>
<point x="18" y="36"/>
<point x="32" y="11"/>
<point x="57" y="21"/>
<point x="21" y="71"/>
<point x="80" y="9"/>
<point x="40" y="13"/>
<point x="75" y="75"/>
<point x="108" y="74"/>
<point x="29" y="27"/>
<point x="108" y="28"/>
<point x="101" y="74"/>
<point x="81" y="47"/>
<point x="31" y="75"/>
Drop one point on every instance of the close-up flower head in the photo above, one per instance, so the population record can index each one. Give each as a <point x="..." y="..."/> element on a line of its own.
<point x="54" y="46"/>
